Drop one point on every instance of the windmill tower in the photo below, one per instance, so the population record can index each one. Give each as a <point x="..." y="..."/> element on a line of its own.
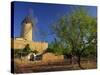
<point x="27" y="25"/>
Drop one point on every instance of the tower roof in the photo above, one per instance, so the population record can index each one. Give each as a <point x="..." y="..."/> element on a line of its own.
<point x="28" y="19"/>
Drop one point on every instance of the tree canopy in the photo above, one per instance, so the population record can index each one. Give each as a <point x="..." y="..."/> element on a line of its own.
<point x="77" y="33"/>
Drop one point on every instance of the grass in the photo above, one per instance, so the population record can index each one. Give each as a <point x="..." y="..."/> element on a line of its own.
<point x="25" y="66"/>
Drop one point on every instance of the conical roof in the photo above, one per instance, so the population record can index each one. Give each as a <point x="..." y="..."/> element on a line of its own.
<point x="28" y="19"/>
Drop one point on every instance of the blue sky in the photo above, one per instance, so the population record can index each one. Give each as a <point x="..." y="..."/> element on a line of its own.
<point x="45" y="15"/>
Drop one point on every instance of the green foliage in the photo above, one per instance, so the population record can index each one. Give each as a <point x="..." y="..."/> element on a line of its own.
<point x="35" y="51"/>
<point x="54" y="47"/>
<point x="18" y="53"/>
<point x="26" y="50"/>
<point x="78" y="31"/>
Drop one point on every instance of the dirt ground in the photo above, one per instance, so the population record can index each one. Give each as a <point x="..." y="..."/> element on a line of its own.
<point x="41" y="66"/>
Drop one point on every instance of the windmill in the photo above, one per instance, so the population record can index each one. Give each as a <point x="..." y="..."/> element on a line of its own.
<point x="28" y="26"/>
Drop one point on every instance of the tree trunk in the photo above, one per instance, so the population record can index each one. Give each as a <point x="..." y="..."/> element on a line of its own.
<point x="79" y="62"/>
<point x="72" y="61"/>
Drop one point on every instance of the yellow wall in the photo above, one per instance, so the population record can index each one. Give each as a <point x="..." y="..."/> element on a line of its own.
<point x="19" y="44"/>
<point x="27" y="31"/>
<point x="50" y="57"/>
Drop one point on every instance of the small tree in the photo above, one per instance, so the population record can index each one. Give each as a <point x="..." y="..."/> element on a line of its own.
<point x="55" y="47"/>
<point x="78" y="31"/>
<point x="26" y="50"/>
<point x="35" y="51"/>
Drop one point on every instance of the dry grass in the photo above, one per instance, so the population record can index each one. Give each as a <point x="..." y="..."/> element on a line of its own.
<point x="25" y="66"/>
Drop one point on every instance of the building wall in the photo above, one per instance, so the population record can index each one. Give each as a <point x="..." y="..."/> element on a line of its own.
<point x="18" y="43"/>
<point x="39" y="46"/>
<point x="50" y="57"/>
<point x="21" y="43"/>
<point x="27" y="31"/>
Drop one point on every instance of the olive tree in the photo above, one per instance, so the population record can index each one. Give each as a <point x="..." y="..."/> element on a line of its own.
<point x="78" y="31"/>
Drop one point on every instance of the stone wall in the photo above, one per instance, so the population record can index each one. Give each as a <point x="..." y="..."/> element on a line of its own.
<point x="39" y="46"/>
<point x="50" y="57"/>
<point x="18" y="43"/>
<point x="27" y="31"/>
<point x="21" y="43"/>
